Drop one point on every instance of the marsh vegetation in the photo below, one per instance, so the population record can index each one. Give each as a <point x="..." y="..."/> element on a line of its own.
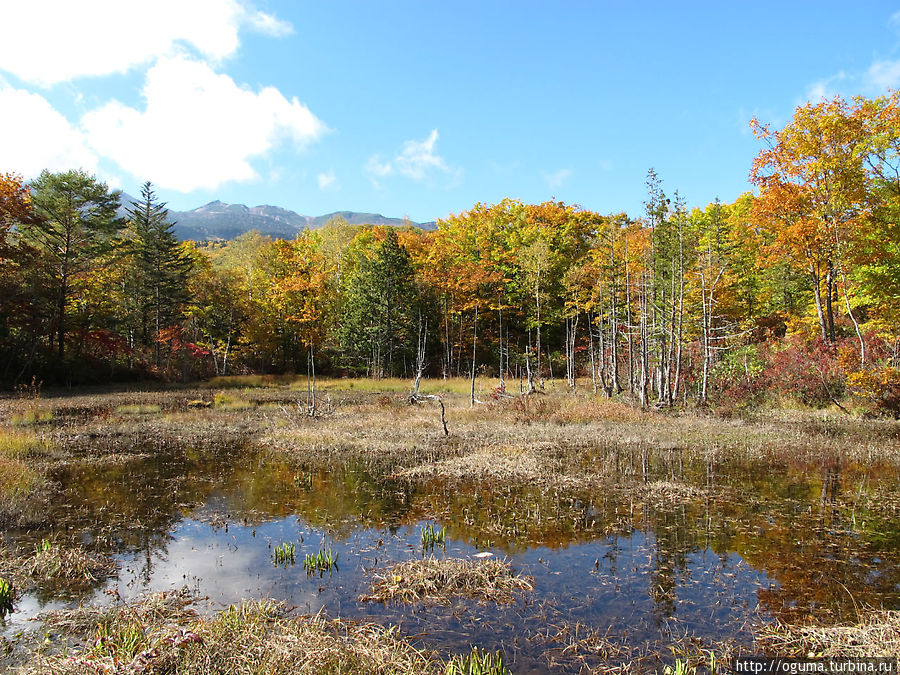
<point x="569" y="533"/>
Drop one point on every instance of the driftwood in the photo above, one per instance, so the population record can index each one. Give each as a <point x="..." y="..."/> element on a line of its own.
<point x="415" y="398"/>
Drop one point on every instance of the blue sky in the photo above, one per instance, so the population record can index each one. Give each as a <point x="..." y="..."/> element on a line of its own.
<point x="422" y="108"/>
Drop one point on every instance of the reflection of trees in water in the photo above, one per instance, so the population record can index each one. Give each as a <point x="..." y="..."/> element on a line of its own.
<point x="793" y="523"/>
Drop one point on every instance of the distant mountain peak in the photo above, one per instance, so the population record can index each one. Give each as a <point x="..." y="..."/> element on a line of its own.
<point x="218" y="220"/>
<point x="211" y="206"/>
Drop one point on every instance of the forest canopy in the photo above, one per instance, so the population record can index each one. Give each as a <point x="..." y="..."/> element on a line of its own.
<point x="792" y="290"/>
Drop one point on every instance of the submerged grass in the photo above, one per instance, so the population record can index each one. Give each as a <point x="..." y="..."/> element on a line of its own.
<point x="161" y="633"/>
<point x="877" y="633"/>
<point x="440" y="580"/>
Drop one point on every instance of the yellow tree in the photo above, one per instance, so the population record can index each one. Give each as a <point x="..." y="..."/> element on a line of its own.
<point x="812" y="196"/>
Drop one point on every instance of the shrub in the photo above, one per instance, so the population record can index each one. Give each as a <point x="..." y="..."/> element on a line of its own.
<point x="877" y="388"/>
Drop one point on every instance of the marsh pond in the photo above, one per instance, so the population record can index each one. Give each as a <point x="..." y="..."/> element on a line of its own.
<point x="568" y="533"/>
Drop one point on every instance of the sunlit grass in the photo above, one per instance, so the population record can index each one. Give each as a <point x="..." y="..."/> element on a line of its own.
<point x="162" y="634"/>
<point x="35" y="413"/>
<point x="18" y="481"/>
<point x="138" y="409"/>
<point x="20" y="444"/>
<point x="226" y="401"/>
<point x="477" y="662"/>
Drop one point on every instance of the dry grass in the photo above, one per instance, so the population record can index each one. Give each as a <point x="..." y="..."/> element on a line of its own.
<point x="23" y="493"/>
<point x="440" y="580"/>
<point x="876" y="634"/>
<point x="56" y="563"/>
<point x="19" y="444"/>
<point x="505" y="463"/>
<point x="160" y="633"/>
<point x="138" y="409"/>
<point x="51" y="563"/>
<point x="668" y="491"/>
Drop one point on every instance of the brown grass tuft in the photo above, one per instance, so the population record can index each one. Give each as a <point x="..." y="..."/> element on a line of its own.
<point x="876" y="634"/>
<point x="439" y="580"/>
<point x="161" y="634"/>
<point x="56" y="563"/>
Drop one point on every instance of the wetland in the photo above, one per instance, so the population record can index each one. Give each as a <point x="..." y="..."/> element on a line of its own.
<point x="571" y="534"/>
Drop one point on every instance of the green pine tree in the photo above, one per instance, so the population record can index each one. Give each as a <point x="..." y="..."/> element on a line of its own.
<point x="161" y="268"/>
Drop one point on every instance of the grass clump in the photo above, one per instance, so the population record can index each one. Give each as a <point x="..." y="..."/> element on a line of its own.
<point x="33" y="414"/>
<point x="437" y="580"/>
<point x="7" y="596"/>
<point x="283" y="554"/>
<point x="433" y="536"/>
<point x="877" y="633"/>
<point x="54" y="562"/>
<point x="22" y="482"/>
<point x="224" y="401"/>
<point x="160" y="634"/>
<point x="323" y="561"/>
<point x="477" y="662"/>
<point x="22" y="489"/>
<point x="22" y="444"/>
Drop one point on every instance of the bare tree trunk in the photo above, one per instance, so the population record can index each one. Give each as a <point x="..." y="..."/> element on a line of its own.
<point x="645" y="349"/>
<point x="704" y="336"/>
<point x="420" y="355"/>
<point x="502" y="379"/>
<point x="591" y="350"/>
<point x="859" y="335"/>
<point x="528" y="364"/>
<point x="817" y="294"/>
<point x="570" y="352"/>
<point x="677" y="382"/>
<point x="448" y="348"/>
<point x="628" y="320"/>
<point x="537" y="300"/>
<point x="474" y="343"/>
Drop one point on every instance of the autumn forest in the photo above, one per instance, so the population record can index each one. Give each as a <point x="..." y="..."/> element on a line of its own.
<point x="791" y="292"/>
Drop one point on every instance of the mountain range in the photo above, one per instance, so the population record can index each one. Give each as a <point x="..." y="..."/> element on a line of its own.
<point x="218" y="220"/>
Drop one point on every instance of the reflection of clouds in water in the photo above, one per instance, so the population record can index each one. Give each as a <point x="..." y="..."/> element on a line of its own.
<point x="229" y="566"/>
<point x="26" y="608"/>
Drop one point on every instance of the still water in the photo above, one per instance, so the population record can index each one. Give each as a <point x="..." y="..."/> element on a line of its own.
<point x="687" y="552"/>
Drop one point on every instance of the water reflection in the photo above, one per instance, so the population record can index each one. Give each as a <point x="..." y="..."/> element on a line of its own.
<point x="633" y="558"/>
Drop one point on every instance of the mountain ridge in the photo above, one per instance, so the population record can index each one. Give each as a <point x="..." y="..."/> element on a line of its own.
<point x="218" y="220"/>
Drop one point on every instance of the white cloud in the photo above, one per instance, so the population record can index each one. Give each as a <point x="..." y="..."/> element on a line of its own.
<point x="198" y="129"/>
<point x="269" y="25"/>
<point x="894" y="21"/>
<point x="883" y="75"/>
<point x="825" y="88"/>
<point x="34" y="136"/>
<point x="378" y="168"/>
<point x="418" y="157"/>
<point x="326" y="180"/>
<point x="50" y="41"/>
<point x="417" y="160"/>
<point x="556" y="179"/>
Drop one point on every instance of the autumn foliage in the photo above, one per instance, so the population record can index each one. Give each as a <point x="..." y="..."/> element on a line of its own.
<point x="790" y="293"/>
